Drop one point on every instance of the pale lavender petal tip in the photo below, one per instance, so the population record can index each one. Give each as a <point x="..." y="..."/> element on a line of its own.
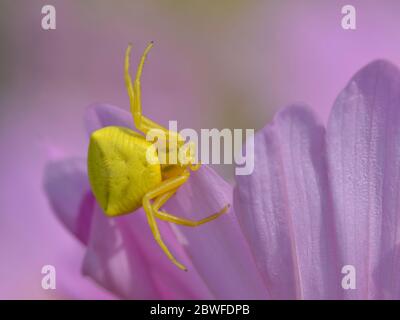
<point x="101" y="115"/>
<point x="68" y="190"/>
<point x="364" y="158"/>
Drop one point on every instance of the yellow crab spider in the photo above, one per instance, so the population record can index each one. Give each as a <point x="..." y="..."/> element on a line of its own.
<point x="121" y="177"/>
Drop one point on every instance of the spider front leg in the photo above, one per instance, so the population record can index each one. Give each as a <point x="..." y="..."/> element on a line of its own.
<point x="142" y="123"/>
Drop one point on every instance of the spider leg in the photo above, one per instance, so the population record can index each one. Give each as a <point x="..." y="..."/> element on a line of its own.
<point x="161" y="194"/>
<point x="163" y="198"/>
<point x="165" y="187"/>
<point x="187" y="222"/>
<point x="142" y="123"/>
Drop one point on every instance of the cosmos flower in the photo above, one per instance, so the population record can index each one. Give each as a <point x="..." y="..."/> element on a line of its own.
<point x="318" y="199"/>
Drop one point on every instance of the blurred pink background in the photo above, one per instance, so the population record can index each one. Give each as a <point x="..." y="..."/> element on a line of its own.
<point x="225" y="64"/>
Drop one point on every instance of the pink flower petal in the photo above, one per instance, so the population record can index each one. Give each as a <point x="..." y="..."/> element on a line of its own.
<point x="364" y="157"/>
<point x="218" y="250"/>
<point x="68" y="190"/>
<point x="124" y="258"/>
<point x="99" y="115"/>
<point x="70" y="281"/>
<point x="284" y="208"/>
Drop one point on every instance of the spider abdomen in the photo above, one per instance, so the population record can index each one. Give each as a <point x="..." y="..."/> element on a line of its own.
<point x="119" y="171"/>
